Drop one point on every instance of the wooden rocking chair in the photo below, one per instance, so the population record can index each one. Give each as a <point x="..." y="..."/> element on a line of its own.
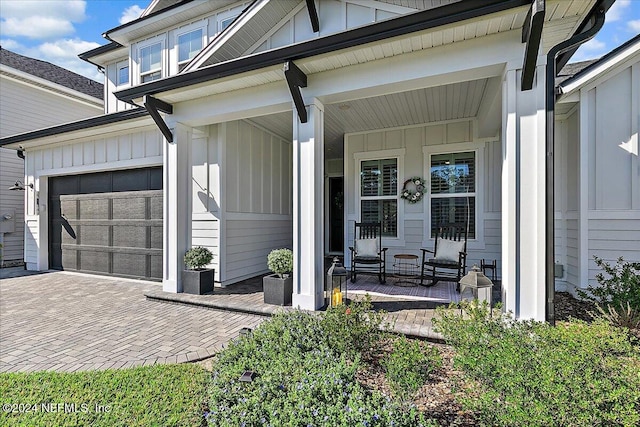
<point x="448" y="260"/>
<point x="367" y="253"/>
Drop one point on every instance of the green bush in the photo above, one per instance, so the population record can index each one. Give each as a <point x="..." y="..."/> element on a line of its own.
<point x="198" y="257"/>
<point x="303" y="378"/>
<point x="408" y="367"/>
<point x="280" y="261"/>
<point x="617" y="295"/>
<point x="527" y="373"/>
<point x="352" y="329"/>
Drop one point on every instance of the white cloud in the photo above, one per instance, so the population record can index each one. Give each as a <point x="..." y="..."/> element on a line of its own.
<point x="634" y="25"/>
<point x="36" y="27"/>
<point x="12" y="45"/>
<point x="64" y="53"/>
<point x="131" y="13"/>
<point x="617" y="10"/>
<point x="592" y="49"/>
<point x="40" y="19"/>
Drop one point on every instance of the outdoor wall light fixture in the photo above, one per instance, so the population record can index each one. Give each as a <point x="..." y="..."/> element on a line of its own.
<point x="20" y="186"/>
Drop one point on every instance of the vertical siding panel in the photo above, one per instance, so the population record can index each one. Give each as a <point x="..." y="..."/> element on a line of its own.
<point x="231" y="190"/>
<point x="100" y="152"/>
<point x="57" y="157"/>
<point x="88" y="158"/>
<point x="47" y="159"/>
<point x="78" y="154"/>
<point x="124" y="147"/>
<point x="276" y="176"/>
<point x="199" y="167"/>
<point x="112" y="149"/>
<point x="256" y="170"/>
<point x="242" y="166"/>
<point x="67" y="156"/>
<point x="265" y="190"/>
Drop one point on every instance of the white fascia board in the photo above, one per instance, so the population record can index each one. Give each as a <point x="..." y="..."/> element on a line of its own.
<point x="123" y="127"/>
<point x="115" y="55"/>
<point x="186" y="11"/>
<point x="598" y="69"/>
<point x="49" y="86"/>
<point x="225" y="35"/>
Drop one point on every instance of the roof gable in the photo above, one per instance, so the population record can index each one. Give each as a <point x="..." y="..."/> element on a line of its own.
<point x="596" y="68"/>
<point x="271" y="24"/>
<point x="53" y="73"/>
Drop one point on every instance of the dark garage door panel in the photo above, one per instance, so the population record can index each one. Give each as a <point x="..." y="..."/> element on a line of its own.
<point x="108" y="232"/>
<point x="113" y="233"/>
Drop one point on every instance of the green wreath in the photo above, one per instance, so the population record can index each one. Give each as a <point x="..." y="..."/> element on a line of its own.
<point x="413" y="189"/>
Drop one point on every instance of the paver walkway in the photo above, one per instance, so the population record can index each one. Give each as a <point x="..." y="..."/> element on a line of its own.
<point x="68" y="322"/>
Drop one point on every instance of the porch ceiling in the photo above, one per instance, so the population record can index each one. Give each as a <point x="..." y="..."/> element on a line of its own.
<point x="433" y="104"/>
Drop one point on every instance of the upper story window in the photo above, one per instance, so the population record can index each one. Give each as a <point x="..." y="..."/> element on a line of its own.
<point x="189" y="44"/>
<point x="224" y="23"/>
<point x="122" y="77"/>
<point x="151" y="62"/>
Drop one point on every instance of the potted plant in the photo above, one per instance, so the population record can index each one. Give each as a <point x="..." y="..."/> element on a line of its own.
<point x="197" y="279"/>
<point x="278" y="287"/>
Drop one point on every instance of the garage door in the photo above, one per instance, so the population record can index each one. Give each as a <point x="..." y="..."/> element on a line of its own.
<point x="107" y="223"/>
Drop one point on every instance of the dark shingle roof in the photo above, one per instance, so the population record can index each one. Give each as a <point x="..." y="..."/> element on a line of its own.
<point x="571" y="70"/>
<point x="53" y="73"/>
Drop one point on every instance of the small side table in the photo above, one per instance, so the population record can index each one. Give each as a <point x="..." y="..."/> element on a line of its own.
<point x="405" y="266"/>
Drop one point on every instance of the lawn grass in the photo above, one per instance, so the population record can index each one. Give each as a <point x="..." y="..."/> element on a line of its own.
<point x="161" y="395"/>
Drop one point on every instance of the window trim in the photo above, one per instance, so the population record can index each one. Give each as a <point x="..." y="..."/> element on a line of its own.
<point x="399" y="155"/>
<point x="202" y="25"/>
<point x="120" y="65"/>
<point x="478" y="147"/>
<point x="161" y="39"/>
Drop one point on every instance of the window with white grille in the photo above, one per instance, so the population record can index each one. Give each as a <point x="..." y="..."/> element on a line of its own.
<point x="379" y="194"/>
<point x="453" y="190"/>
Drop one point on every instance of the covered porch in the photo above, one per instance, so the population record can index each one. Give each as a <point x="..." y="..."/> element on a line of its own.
<point x="422" y="100"/>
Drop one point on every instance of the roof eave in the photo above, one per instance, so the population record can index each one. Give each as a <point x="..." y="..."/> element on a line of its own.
<point x="14" y="140"/>
<point x="592" y="71"/>
<point x="406" y="24"/>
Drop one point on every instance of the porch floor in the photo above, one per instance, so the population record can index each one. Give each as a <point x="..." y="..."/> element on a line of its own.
<point x="408" y="315"/>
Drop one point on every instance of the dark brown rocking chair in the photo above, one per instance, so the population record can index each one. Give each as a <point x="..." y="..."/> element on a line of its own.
<point x="367" y="254"/>
<point x="448" y="260"/>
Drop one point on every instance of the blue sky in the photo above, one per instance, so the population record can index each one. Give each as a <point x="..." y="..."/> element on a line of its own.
<point x="57" y="31"/>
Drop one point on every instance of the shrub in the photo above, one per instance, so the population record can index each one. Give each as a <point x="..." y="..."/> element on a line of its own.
<point x="198" y="257"/>
<point x="527" y="373"/>
<point x="408" y="367"/>
<point x="280" y="261"/>
<point x="617" y="297"/>
<point x="353" y="329"/>
<point x="302" y="379"/>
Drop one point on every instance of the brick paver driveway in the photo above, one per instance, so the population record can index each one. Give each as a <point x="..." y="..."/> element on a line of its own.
<point x="68" y="322"/>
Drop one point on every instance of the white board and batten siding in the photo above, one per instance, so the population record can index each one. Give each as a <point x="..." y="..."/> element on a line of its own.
<point x="411" y="144"/>
<point x="139" y="147"/>
<point x="242" y="197"/>
<point x="336" y="16"/>
<point x="11" y="209"/>
<point x="598" y="175"/>
<point x="614" y="168"/>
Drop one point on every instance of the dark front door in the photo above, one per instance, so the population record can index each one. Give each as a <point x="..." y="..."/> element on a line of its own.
<point x="336" y="213"/>
<point x="107" y="223"/>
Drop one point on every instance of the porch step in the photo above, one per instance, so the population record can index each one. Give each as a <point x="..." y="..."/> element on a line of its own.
<point x="407" y="322"/>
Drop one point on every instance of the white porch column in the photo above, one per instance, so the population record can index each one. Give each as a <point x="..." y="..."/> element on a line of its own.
<point x="523" y="196"/>
<point x="176" y="220"/>
<point x="308" y="222"/>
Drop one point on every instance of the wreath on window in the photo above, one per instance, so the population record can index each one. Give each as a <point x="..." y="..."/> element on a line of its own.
<point x="413" y="189"/>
